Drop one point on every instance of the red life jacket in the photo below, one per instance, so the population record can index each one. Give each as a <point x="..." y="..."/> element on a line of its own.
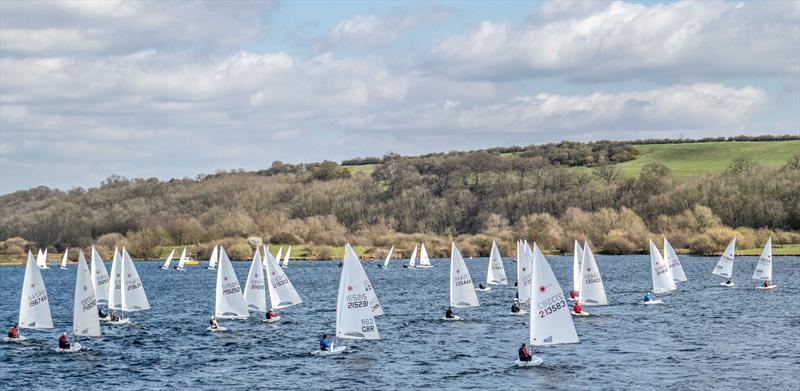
<point x="576" y="308"/>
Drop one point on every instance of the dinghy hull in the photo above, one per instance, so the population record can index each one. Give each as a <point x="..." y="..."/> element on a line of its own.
<point x="535" y="362"/>
<point x="74" y="347"/>
<point x="332" y="352"/>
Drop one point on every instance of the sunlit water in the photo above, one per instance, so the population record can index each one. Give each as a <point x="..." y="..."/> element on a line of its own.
<point x="703" y="337"/>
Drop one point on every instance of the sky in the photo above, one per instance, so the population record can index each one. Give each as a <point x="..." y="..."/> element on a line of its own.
<point x="176" y="89"/>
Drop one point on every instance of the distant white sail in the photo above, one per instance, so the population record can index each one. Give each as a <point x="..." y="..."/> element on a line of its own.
<point x="169" y="259"/>
<point x="115" y="282"/>
<point x="462" y="292"/>
<point x="64" y="259"/>
<point x="424" y="261"/>
<point x="525" y="271"/>
<point x="577" y="258"/>
<point x="182" y="259"/>
<point x="41" y="259"/>
<point x="278" y="257"/>
<point x="372" y="298"/>
<point x="212" y="261"/>
<point x="413" y="260"/>
<point x="591" y="290"/>
<point x="662" y="276"/>
<point x="550" y="321"/>
<point x="764" y="267"/>
<point x="354" y="317"/>
<point x="133" y="295"/>
<point x="34" y="307"/>
<point x="255" y="294"/>
<point x="724" y="267"/>
<point x="99" y="277"/>
<point x="496" y="275"/>
<point x="85" y="321"/>
<point x="229" y="301"/>
<point x="281" y="291"/>
<point x="286" y="257"/>
<point x="388" y="257"/>
<point x="674" y="263"/>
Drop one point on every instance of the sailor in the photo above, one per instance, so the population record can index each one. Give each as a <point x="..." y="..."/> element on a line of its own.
<point x="271" y="314"/>
<point x="648" y="297"/>
<point x="324" y="344"/>
<point x="515" y="307"/>
<point x="523" y="353"/>
<point x="766" y="284"/>
<point x="213" y="323"/>
<point x="63" y="343"/>
<point x="449" y="313"/>
<point x="577" y="307"/>
<point x="13" y="332"/>
<point x="481" y="286"/>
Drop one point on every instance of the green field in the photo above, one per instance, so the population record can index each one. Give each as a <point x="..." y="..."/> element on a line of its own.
<point x="364" y="169"/>
<point x="701" y="158"/>
<point x="777" y="249"/>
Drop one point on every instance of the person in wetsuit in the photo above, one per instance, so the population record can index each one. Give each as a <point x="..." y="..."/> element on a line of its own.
<point x="449" y="313"/>
<point x="63" y="342"/>
<point x="524" y="355"/>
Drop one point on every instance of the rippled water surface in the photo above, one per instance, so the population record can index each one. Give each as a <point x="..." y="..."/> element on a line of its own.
<point x="703" y="337"/>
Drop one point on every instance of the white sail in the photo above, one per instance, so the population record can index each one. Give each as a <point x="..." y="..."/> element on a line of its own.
<point x="99" y="277"/>
<point x="212" y="261"/>
<point x="41" y="259"/>
<point x="496" y="275"/>
<point x="85" y="321"/>
<point x="577" y="258"/>
<point x="388" y="257"/>
<point x="133" y="295"/>
<point x="424" y="261"/>
<point x="764" y="268"/>
<point x="462" y="292"/>
<point x="34" y="307"/>
<point x="413" y="260"/>
<point x="64" y="259"/>
<point x="229" y="301"/>
<point x="591" y="289"/>
<point x="525" y="272"/>
<point x="550" y="322"/>
<point x="115" y="282"/>
<point x="169" y="259"/>
<point x="281" y="291"/>
<point x="278" y="257"/>
<point x="372" y="298"/>
<point x="182" y="259"/>
<point x="254" y="290"/>
<point x="724" y="267"/>
<point x="354" y="317"/>
<point x="674" y="264"/>
<point x="662" y="276"/>
<point x="286" y="257"/>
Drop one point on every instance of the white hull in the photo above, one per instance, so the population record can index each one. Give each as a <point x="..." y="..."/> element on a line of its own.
<point x="273" y="320"/>
<point x="582" y="313"/>
<point x="164" y="267"/>
<point x="451" y="319"/>
<point x="332" y="352"/>
<point x="218" y="328"/>
<point x="121" y="321"/>
<point x="520" y="313"/>
<point x="487" y="289"/>
<point x="73" y="347"/>
<point x="425" y="266"/>
<point x="535" y="362"/>
<point x="766" y="288"/>
<point x="63" y="268"/>
<point x="652" y="302"/>
<point x="19" y="338"/>
<point x="43" y="267"/>
<point x="726" y="285"/>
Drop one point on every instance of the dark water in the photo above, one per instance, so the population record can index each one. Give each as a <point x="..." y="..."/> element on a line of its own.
<point x="704" y="337"/>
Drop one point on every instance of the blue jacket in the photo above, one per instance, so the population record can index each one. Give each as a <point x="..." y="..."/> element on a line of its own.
<point x="324" y="344"/>
<point x="647" y="297"/>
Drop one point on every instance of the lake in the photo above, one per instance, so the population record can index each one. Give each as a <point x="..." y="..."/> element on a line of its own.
<point x="703" y="337"/>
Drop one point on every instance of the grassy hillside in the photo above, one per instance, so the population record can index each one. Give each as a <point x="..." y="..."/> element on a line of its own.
<point x="701" y="158"/>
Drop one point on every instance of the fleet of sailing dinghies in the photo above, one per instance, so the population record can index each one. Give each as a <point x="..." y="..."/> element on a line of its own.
<point x="63" y="264"/>
<point x="674" y="264"/>
<point x="168" y="260"/>
<point x="462" y="291"/>
<point x="85" y="322"/>
<point x="763" y="270"/>
<point x="724" y="267"/>
<point x="591" y="290"/>
<point x="41" y="259"/>
<point x="355" y="312"/>
<point x="496" y="275"/>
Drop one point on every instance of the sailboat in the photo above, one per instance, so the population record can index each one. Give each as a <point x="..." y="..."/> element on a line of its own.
<point x="355" y="318"/>
<point x="592" y="292"/>
<point x="181" y="260"/>
<point x="169" y="260"/>
<point x="524" y="272"/>
<point x="388" y="257"/>
<point x="281" y="291"/>
<point x="764" y="267"/>
<point x="63" y="265"/>
<point x="577" y="258"/>
<point x="100" y="278"/>
<point x="229" y="301"/>
<point x="496" y="275"/>
<point x="674" y="264"/>
<point x="212" y="261"/>
<point x="286" y="257"/>
<point x="85" y="322"/>
<point x="41" y="259"/>
<point x="424" y="261"/>
<point x="413" y="260"/>
<point x="724" y="267"/>
<point x="126" y="292"/>
<point x="34" y="308"/>
<point x="662" y="275"/>
<point x="550" y="322"/>
<point x="462" y="292"/>
<point x="255" y="294"/>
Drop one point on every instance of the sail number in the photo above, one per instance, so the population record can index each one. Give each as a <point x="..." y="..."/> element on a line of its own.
<point x="367" y="325"/>
<point x="551" y="305"/>
<point x="37" y="298"/>
<point x="357" y="301"/>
